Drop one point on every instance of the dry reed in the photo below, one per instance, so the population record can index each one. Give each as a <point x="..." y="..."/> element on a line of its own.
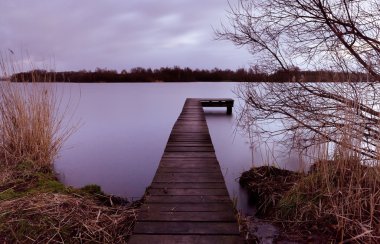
<point x="30" y="128"/>
<point x="49" y="217"/>
<point x="338" y="198"/>
<point x="31" y="118"/>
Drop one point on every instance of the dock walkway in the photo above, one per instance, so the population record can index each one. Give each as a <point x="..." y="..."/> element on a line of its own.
<point x="188" y="201"/>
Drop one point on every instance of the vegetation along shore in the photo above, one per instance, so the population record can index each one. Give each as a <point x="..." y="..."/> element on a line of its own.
<point x="34" y="206"/>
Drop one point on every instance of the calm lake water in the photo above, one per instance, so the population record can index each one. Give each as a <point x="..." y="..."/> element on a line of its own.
<point x="125" y="127"/>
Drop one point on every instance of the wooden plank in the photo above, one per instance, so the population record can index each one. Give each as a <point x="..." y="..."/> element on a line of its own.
<point x="189" y="137"/>
<point x="187" y="199"/>
<point x="187" y="216"/>
<point x="186" y="178"/>
<point x="216" y="174"/>
<point x="187" y="192"/>
<point x="190" y="159"/>
<point x="190" y="126"/>
<point x="189" y="149"/>
<point x="188" y="144"/>
<point x="186" y="228"/>
<point x="189" y="185"/>
<point x="187" y="140"/>
<point x="189" y="155"/>
<point x="189" y="207"/>
<point x="191" y="132"/>
<point x="189" y="164"/>
<point x="188" y="170"/>
<point x="172" y="239"/>
<point x="184" y="123"/>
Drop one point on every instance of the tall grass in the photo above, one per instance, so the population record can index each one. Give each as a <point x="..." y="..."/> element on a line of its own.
<point x="341" y="193"/>
<point x="31" y="118"/>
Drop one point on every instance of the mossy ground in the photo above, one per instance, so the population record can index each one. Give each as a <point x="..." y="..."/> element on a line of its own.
<point x="36" y="208"/>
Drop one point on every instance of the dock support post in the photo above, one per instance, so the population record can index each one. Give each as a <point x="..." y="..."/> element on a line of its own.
<point x="229" y="110"/>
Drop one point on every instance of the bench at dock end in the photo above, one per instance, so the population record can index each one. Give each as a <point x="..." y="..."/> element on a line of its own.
<point x="218" y="102"/>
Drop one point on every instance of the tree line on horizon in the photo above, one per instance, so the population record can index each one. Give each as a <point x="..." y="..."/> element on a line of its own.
<point x="177" y="74"/>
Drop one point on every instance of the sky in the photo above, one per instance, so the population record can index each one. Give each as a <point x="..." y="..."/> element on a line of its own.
<point x="118" y="34"/>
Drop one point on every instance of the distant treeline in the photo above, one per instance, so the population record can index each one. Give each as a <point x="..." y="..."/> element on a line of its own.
<point x="177" y="74"/>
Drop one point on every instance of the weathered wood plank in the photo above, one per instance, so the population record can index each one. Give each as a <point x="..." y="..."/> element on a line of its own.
<point x="216" y="174"/>
<point x="189" y="160"/>
<point x="188" y="164"/>
<point x="189" y="207"/>
<point x="186" y="178"/>
<point x="189" y="140"/>
<point x="188" y="170"/>
<point x="188" y="144"/>
<point x="187" y="192"/>
<point x="189" y="149"/>
<point x="226" y="216"/>
<point x="186" y="228"/>
<point x="189" y="155"/>
<point x="190" y="137"/>
<point x="189" y="185"/>
<point x="187" y="199"/>
<point x="175" y="239"/>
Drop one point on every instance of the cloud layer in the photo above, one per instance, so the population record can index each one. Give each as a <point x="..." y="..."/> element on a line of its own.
<point x="119" y="34"/>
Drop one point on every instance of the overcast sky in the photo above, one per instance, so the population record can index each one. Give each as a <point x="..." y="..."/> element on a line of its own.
<point x="119" y="34"/>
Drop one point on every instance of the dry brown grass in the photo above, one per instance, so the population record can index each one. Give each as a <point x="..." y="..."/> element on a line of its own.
<point x="339" y="198"/>
<point x="56" y="217"/>
<point x="31" y="118"/>
<point x="30" y="126"/>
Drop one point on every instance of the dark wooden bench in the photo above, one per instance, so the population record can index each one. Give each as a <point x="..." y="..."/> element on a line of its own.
<point x="218" y="102"/>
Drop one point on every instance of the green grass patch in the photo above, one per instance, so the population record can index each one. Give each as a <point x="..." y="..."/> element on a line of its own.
<point x="8" y="194"/>
<point x="92" y="189"/>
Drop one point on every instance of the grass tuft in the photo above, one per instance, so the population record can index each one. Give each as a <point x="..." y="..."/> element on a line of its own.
<point x="92" y="189"/>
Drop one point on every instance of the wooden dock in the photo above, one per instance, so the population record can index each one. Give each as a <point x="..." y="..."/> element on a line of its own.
<point x="220" y="102"/>
<point x="188" y="201"/>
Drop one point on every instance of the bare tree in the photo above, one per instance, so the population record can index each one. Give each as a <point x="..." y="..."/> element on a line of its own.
<point x="323" y="33"/>
<point x="342" y="35"/>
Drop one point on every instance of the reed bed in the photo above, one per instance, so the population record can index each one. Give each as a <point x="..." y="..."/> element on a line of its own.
<point x="30" y="127"/>
<point x="340" y="197"/>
